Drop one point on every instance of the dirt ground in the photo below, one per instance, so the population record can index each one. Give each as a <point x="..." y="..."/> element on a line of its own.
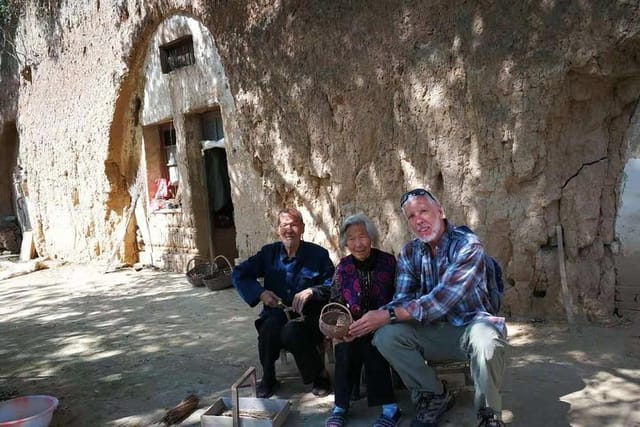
<point x="119" y="349"/>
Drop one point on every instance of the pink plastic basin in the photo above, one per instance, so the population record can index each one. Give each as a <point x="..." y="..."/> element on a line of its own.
<point x="27" y="411"/>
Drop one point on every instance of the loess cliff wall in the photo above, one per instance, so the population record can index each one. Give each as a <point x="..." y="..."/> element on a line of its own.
<point x="515" y="115"/>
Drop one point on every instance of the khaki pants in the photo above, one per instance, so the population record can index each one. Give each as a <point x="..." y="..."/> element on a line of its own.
<point x="407" y="345"/>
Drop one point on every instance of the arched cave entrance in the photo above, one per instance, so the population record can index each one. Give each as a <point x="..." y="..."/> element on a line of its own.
<point x="627" y="258"/>
<point x="14" y="219"/>
<point x="187" y="209"/>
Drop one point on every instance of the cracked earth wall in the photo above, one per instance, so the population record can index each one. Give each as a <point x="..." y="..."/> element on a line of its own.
<point x="515" y="115"/>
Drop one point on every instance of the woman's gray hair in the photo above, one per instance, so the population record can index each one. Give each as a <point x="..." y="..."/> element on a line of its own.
<point x="372" y="231"/>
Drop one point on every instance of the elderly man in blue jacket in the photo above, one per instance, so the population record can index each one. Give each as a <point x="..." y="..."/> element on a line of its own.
<point x="297" y="280"/>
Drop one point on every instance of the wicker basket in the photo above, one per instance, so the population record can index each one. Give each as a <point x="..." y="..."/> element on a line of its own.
<point x="197" y="269"/>
<point x="335" y="320"/>
<point x="220" y="277"/>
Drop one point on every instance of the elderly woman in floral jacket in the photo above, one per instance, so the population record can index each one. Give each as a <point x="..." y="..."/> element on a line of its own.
<point x="364" y="280"/>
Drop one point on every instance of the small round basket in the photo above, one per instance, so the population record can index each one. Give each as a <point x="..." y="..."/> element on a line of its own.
<point x="335" y="320"/>
<point x="197" y="269"/>
<point x="220" y="277"/>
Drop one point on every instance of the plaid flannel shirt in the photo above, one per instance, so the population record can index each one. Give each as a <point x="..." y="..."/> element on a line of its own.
<point x="435" y="288"/>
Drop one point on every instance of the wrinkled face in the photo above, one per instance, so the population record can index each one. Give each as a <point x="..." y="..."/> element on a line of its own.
<point x="290" y="230"/>
<point x="426" y="219"/>
<point x="358" y="241"/>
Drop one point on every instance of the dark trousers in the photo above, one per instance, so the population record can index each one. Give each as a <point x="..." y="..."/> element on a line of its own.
<point x="350" y="356"/>
<point x="298" y="337"/>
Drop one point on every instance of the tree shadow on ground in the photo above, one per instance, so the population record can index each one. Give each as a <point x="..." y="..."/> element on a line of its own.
<point x="128" y="344"/>
<point x="120" y="349"/>
<point x="566" y="379"/>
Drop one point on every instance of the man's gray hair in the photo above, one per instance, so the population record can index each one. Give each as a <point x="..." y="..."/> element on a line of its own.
<point x="419" y="192"/>
<point x="292" y="212"/>
<point x="362" y="219"/>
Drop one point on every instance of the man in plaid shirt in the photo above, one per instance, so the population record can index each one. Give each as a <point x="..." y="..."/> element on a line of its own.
<point x="441" y="311"/>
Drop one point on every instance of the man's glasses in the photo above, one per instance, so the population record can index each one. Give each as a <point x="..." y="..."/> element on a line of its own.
<point x="414" y="193"/>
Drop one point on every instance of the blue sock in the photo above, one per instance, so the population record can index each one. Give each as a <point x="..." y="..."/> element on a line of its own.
<point x="338" y="411"/>
<point x="389" y="410"/>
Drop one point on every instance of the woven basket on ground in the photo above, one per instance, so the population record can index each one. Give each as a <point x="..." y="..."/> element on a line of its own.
<point x="220" y="277"/>
<point x="335" y="320"/>
<point x="197" y="269"/>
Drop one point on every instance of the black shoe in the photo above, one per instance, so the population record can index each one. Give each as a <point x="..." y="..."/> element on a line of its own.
<point x="430" y="408"/>
<point x="487" y="417"/>
<point x="265" y="390"/>
<point x="321" y="386"/>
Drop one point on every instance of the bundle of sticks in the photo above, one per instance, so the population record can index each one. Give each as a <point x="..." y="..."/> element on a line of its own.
<point x="181" y="411"/>
<point x="251" y="413"/>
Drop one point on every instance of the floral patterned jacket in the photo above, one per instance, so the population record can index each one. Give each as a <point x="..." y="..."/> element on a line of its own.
<point x="362" y="290"/>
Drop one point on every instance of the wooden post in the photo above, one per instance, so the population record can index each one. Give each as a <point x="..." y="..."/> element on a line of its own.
<point x="566" y="295"/>
<point x="27" y="250"/>
<point x="123" y="233"/>
<point x="142" y="218"/>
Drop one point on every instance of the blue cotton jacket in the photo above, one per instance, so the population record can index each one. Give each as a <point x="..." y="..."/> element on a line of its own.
<point x="311" y="267"/>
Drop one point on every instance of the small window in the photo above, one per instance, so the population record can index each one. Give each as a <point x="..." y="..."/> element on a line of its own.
<point x="177" y="54"/>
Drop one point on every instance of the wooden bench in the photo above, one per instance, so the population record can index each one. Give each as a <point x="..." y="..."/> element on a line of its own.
<point x="446" y="367"/>
<point x="454" y="367"/>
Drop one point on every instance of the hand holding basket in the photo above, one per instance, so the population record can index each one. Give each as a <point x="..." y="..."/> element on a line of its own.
<point x="335" y="320"/>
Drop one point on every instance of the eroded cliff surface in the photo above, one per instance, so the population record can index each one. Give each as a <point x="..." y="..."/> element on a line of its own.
<point x="514" y="115"/>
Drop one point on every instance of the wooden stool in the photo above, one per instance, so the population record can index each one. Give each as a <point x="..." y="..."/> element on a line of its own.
<point x="453" y="367"/>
